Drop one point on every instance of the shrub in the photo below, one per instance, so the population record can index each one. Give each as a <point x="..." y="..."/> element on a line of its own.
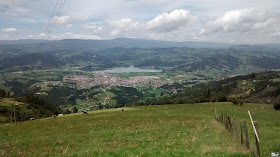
<point x="68" y="111"/>
<point x="276" y="106"/>
<point x="237" y="102"/>
<point x="75" y="110"/>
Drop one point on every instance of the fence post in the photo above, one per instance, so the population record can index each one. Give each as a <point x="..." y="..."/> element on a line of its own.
<point x="257" y="142"/>
<point x="223" y="119"/>
<point x="230" y="125"/>
<point x="246" y="134"/>
<point x="223" y="122"/>
<point x="226" y="120"/>
<point x="235" y="128"/>
<point x="12" y="114"/>
<point x="214" y="114"/>
<point x="15" y="117"/>
<point x="241" y="132"/>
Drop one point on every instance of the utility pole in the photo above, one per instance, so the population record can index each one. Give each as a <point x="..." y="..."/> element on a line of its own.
<point x="12" y="113"/>
<point x="15" y="112"/>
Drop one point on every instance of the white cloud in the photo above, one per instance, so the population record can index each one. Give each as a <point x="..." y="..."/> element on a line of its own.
<point x="124" y="26"/>
<point x="66" y="20"/>
<point x="62" y="20"/>
<point x="13" y="8"/>
<point x="244" y="20"/>
<point x="167" y="22"/>
<point x="68" y="26"/>
<point x="124" y="23"/>
<point x="15" y="12"/>
<point x="8" y="30"/>
<point x="275" y="35"/>
<point x="92" y="28"/>
<point x="11" y="2"/>
<point x="41" y="35"/>
<point x="37" y="36"/>
<point x="175" y="21"/>
<point x="69" y="35"/>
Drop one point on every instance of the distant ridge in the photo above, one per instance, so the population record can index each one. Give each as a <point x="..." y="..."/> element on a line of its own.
<point x="131" y="43"/>
<point x="21" y="41"/>
<point x="259" y="47"/>
<point x="83" y="44"/>
<point x="118" y="42"/>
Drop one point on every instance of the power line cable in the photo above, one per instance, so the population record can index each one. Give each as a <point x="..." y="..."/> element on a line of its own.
<point x="48" y="26"/>
<point x="51" y="18"/>
<point x="55" y="18"/>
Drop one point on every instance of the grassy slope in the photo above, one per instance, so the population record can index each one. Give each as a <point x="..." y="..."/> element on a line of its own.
<point x="8" y="102"/>
<point x="268" y="121"/>
<point x="174" y="130"/>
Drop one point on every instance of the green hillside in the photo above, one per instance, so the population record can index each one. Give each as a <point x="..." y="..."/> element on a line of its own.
<point x="6" y="105"/>
<point x="253" y="88"/>
<point x="25" y="108"/>
<point x="168" y="130"/>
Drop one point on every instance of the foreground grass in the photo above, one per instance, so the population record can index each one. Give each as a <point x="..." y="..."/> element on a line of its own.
<point x="169" y="130"/>
<point x="268" y="124"/>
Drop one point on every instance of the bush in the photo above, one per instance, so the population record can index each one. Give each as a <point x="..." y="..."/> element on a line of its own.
<point x="237" y="102"/>
<point x="68" y="111"/>
<point x="276" y="106"/>
<point x="221" y="98"/>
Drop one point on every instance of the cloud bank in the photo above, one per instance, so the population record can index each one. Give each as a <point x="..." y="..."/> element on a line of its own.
<point x="8" y="30"/>
<point x="179" y="20"/>
<point x="244" y="20"/>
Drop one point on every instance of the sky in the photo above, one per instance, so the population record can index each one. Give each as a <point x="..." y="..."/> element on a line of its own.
<point x="228" y="21"/>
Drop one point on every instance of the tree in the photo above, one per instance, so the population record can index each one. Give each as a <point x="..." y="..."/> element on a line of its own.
<point x="100" y="107"/>
<point x="221" y="97"/>
<point x="2" y="93"/>
<point x="75" y="110"/>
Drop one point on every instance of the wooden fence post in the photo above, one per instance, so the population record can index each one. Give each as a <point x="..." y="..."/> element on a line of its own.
<point x="235" y="128"/>
<point x="246" y="134"/>
<point x="258" y="154"/>
<point x="241" y="132"/>
<point x="226" y="121"/>
<point x="214" y="114"/>
<point x="12" y="113"/>
<point x="15" y="118"/>
<point x="223" y="121"/>
<point x="230" y="125"/>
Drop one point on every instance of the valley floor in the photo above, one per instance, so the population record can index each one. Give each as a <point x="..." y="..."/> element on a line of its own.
<point x="168" y="130"/>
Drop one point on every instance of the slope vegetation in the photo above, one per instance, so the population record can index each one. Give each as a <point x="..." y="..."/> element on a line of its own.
<point x="174" y="130"/>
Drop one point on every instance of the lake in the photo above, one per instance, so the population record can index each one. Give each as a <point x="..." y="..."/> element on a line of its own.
<point x="130" y="69"/>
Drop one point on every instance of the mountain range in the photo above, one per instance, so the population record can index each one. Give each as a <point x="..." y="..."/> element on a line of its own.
<point x="131" y="43"/>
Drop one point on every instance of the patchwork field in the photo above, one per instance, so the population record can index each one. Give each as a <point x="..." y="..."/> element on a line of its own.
<point x="168" y="130"/>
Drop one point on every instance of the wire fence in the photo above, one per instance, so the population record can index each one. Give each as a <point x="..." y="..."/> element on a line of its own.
<point x="239" y="130"/>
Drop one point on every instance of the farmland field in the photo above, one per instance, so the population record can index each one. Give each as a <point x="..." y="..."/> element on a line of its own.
<point x="167" y="130"/>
